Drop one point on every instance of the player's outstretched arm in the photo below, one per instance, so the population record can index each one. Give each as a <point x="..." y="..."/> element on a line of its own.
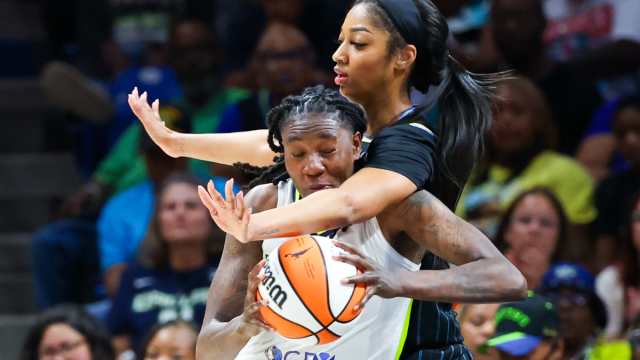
<point x="481" y="274"/>
<point x="363" y="196"/>
<point x="232" y="316"/>
<point x="247" y="147"/>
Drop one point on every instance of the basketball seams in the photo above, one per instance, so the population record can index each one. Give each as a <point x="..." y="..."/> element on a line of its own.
<point x="275" y="314"/>
<point x="326" y="279"/>
<point x="286" y="275"/>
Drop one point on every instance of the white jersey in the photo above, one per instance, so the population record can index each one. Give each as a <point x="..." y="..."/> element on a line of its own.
<point x="377" y="332"/>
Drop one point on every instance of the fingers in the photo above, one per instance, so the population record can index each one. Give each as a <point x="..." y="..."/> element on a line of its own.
<point x="239" y="205"/>
<point x="215" y="195"/>
<point x="156" y="108"/>
<point x="348" y="248"/>
<point x="207" y="201"/>
<point x="370" y="292"/>
<point x="355" y="260"/>
<point x="228" y="193"/>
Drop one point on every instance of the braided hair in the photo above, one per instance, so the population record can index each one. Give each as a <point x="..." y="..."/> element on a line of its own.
<point x="313" y="100"/>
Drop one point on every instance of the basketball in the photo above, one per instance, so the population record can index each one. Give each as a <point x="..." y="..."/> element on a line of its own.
<point x="307" y="302"/>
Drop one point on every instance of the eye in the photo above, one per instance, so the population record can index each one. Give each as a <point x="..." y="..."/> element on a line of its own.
<point x="358" y="45"/>
<point x="328" y="151"/>
<point x="299" y="155"/>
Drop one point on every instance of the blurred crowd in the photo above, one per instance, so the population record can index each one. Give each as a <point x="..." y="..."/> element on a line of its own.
<point x="558" y="190"/>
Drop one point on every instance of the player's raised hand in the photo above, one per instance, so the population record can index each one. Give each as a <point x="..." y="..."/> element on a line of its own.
<point x="379" y="281"/>
<point x="228" y="213"/>
<point x="149" y="116"/>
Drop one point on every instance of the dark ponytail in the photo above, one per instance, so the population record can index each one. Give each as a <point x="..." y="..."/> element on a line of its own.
<point x="465" y="117"/>
<point x="463" y="98"/>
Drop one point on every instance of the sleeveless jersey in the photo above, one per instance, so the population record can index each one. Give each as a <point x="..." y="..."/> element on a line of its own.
<point x="377" y="333"/>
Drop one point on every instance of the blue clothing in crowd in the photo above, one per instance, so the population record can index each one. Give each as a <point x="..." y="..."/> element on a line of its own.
<point x="147" y="297"/>
<point x="123" y="224"/>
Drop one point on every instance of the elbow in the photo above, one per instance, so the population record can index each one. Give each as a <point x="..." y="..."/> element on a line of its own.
<point x="516" y="287"/>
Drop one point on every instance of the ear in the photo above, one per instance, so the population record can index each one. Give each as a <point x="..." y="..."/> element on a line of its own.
<point x="406" y="57"/>
<point x="357" y="145"/>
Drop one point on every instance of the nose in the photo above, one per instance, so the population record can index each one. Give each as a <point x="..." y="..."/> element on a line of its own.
<point x="487" y="329"/>
<point x="339" y="56"/>
<point x="314" y="166"/>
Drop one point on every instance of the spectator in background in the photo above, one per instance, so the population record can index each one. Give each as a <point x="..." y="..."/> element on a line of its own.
<point x="69" y="333"/>
<point x="613" y="192"/>
<point x="196" y="60"/>
<point x="477" y="326"/>
<point x="619" y="284"/>
<point x="582" y="314"/>
<point x="124" y="220"/>
<point x="176" y="263"/>
<point x="531" y="233"/>
<point x="528" y="330"/>
<point x="518" y="28"/>
<point x="175" y="339"/>
<point x="282" y="66"/>
<point x="67" y="253"/>
<point x="600" y="36"/>
<point x="519" y="157"/>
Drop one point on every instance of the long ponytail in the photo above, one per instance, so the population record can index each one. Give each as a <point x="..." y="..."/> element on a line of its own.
<point x="465" y="117"/>
<point x="463" y="98"/>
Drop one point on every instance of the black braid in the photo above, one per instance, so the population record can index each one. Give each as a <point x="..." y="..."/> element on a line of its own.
<point x="313" y="100"/>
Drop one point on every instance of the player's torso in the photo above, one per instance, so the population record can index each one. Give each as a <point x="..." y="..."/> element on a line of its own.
<point x="376" y="333"/>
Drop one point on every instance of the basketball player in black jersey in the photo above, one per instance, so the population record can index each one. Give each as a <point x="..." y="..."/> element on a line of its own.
<point x="320" y="136"/>
<point x="386" y="48"/>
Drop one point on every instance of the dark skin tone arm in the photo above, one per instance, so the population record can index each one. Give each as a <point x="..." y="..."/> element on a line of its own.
<point x="423" y="223"/>
<point x="231" y="316"/>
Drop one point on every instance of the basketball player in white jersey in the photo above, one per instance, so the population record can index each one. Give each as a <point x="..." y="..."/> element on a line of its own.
<point x="320" y="137"/>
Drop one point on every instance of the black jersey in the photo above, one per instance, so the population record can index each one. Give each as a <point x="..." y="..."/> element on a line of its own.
<point x="408" y="147"/>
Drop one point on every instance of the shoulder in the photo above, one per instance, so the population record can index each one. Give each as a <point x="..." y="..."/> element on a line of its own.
<point x="560" y="164"/>
<point x="414" y="130"/>
<point x="262" y="197"/>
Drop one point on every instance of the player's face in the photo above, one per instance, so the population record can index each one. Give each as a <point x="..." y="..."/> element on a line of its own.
<point x="362" y="62"/>
<point x="181" y="215"/>
<point x="319" y="154"/>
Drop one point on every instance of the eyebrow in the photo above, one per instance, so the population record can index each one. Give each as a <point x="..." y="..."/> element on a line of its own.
<point x="359" y="28"/>
<point x="323" y="135"/>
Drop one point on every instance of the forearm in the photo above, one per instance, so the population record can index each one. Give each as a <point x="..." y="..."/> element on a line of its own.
<point x="323" y="210"/>
<point x="221" y="340"/>
<point x="482" y="281"/>
<point x="246" y="147"/>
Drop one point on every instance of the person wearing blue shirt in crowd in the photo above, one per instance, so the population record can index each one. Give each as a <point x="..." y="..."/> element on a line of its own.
<point x="124" y="220"/>
<point x="174" y="268"/>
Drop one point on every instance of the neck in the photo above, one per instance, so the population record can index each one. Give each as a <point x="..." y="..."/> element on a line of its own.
<point x="186" y="257"/>
<point x="384" y="109"/>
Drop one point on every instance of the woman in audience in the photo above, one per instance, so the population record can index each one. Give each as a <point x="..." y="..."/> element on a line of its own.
<point x="619" y="285"/>
<point x="176" y="263"/>
<point x="477" y="325"/>
<point x="67" y="332"/>
<point x="531" y="233"/>
<point x="520" y="157"/>
<point x="175" y="340"/>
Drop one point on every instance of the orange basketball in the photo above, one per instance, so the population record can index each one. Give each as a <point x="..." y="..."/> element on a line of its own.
<point x="307" y="301"/>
